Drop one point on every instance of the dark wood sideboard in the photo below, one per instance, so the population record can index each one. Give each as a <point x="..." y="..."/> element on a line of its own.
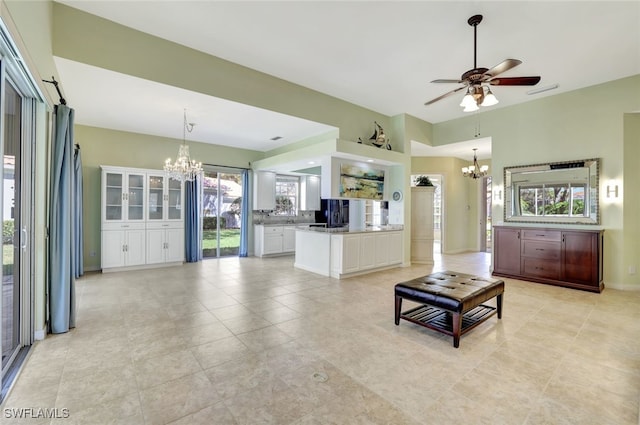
<point x="563" y="257"/>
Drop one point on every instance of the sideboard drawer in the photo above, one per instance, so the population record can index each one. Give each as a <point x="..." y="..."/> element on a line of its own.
<point x="541" y="268"/>
<point x="542" y="250"/>
<point x="542" y="235"/>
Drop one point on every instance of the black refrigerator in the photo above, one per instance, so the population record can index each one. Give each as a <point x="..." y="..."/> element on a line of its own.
<point x="333" y="212"/>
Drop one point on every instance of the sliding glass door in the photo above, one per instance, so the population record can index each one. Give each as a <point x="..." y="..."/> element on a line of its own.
<point x="221" y="214"/>
<point x="12" y="225"/>
<point x="17" y="135"/>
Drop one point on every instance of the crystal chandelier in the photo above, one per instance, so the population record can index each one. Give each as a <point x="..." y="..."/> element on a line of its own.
<point x="184" y="169"/>
<point x="475" y="171"/>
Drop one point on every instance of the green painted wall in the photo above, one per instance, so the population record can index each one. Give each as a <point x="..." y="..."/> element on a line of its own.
<point x="631" y="201"/>
<point x="31" y="24"/>
<point x="100" y="146"/>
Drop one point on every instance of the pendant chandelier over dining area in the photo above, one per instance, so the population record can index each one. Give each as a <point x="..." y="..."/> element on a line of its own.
<point x="184" y="168"/>
<point x="475" y="171"/>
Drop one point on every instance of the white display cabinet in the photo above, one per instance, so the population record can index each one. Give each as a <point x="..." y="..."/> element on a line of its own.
<point x="142" y="218"/>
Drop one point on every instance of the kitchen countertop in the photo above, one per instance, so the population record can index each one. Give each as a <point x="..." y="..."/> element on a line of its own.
<point x="281" y="224"/>
<point x="342" y="230"/>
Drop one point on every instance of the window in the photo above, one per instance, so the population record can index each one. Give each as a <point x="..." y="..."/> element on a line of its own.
<point x="564" y="199"/>
<point x="287" y="191"/>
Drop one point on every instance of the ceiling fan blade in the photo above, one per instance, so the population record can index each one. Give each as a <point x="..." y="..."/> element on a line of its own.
<point x="444" y="95"/>
<point x="515" y="81"/>
<point x="447" y="81"/>
<point x="503" y="66"/>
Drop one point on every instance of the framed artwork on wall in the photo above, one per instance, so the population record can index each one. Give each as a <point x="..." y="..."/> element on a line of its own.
<point x="361" y="182"/>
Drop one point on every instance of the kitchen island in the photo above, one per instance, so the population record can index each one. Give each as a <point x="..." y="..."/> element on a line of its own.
<point x="343" y="252"/>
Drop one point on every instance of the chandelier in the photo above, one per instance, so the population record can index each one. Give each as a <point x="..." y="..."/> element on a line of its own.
<point x="184" y="168"/>
<point x="475" y="171"/>
<point x="477" y="96"/>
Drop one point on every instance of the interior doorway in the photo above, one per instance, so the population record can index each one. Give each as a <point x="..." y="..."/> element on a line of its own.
<point x="485" y="215"/>
<point x="438" y="209"/>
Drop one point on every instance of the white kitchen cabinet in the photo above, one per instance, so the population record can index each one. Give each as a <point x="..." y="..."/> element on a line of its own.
<point x="175" y="245"/>
<point x="165" y="198"/>
<point x="422" y="224"/>
<point x="310" y="193"/>
<point x="164" y="243"/>
<point x="123" y="195"/>
<point x="273" y="240"/>
<point x="142" y="218"/>
<point x="345" y="254"/>
<point x="289" y="239"/>
<point x="364" y="251"/>
<point x="155" y="246"/>
<point x="264" y="190"/>
<point x="351" y="253"/>
<point x="395" y="248"/>
<point x="124" y="247"/>
<point x="382" y="248"/>
<point x="368" y="243"/>
<point x="273" y="243"/>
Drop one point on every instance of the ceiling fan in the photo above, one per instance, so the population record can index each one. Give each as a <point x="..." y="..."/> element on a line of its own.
<point x="478" y="80"/>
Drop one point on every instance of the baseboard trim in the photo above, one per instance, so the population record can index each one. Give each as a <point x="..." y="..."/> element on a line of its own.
<point x="39" y="335"/>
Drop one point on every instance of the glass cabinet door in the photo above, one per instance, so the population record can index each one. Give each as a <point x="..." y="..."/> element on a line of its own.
<point x="156" y="198"/>
<point x="175" y="200"/>
<point x="114" y="197"/>
<point x="135" y="196"/>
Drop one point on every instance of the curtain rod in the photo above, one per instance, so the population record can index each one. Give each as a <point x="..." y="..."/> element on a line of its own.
<point x="224" y="166"/>
<point x="55" y="84"/>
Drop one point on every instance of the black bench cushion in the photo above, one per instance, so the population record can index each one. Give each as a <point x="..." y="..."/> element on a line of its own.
<point x="453" y="291"/>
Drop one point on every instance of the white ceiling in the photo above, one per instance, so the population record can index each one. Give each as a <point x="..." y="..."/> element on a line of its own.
<point x="378" y="54"/>
<point x="107" y="99"/>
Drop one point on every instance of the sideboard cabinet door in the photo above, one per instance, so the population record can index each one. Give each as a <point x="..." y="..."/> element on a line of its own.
<point x="580" y="252"/>
<point x="506" y="257"/>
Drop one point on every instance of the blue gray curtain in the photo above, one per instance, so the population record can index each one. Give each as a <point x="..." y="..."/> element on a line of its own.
<point x="192" y="227"/>
<point x="78" y="246"/>
<point x="244" y="215"/>
<point x="61" y="227"/>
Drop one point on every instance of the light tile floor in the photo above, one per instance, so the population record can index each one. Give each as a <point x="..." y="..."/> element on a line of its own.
<point x="243" y="341"/>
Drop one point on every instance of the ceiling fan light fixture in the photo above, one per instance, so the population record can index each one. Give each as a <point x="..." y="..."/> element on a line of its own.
<point x="489" y="99"/>
<point x="470" y="107"/>
<point x="477" y="79"/>
<point x="468" y="99"/>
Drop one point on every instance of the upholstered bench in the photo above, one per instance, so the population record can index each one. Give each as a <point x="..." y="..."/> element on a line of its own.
<point x="451" y="302"/>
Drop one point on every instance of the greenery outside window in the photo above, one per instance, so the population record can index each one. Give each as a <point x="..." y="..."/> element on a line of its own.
<point x="287" y="195"/>
<point x="560" y="200"/>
